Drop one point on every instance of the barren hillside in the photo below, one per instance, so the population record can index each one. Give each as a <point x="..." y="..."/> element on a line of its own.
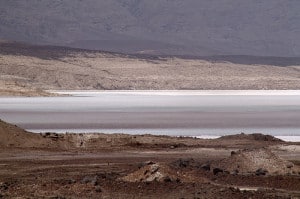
<point x="13" y="136"/>
<point x="28" y="70"/>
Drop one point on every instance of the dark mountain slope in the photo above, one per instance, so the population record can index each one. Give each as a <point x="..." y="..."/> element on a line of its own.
<point x="190" y="27"/>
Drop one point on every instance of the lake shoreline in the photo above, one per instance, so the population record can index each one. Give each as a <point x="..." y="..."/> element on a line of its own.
<point x="123" y="165"/>
<point x="176" y="92"/>
<point x="175" y="113"/>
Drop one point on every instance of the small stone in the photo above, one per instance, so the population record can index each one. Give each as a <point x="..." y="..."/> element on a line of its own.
<point x="167" y="179"/>
<point x="235" y="172"/>
<point x="98" y="189"/>
<point x="222" y="190"/>
<point x="261" y="172"/>
<point x="149" y="163"/>
<point x="89" y="179"/>
<point x="4" y="186"/>
<point x="94" y="183"/>
<point x="71" y="181"/>
<point x="217" y="170"/>
<point x="206" y="167"/>
<point x="289" y="165"/>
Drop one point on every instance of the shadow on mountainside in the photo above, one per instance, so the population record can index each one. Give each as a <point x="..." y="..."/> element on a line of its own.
<point x="255" y="60"/>
<point x="57" y="52"/>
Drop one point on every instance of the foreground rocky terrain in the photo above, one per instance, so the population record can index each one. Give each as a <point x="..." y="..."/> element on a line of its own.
<point x="54" y="165"/>
<point x="30" y="70"/>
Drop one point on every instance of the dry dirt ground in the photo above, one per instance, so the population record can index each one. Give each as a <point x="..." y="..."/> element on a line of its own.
<point x="143" y="166"/>
<point x="29" y="70"/>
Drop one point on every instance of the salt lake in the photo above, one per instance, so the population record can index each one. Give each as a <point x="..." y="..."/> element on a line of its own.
<point x="178" y="113"/>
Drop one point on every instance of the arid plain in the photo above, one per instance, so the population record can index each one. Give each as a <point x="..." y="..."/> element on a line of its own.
<point x="52" y="165"/>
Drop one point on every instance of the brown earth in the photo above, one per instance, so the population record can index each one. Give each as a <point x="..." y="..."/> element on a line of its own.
<point x="29" y="70"/>
<point x="260" y="161"/>
<point x="54" y="165"/>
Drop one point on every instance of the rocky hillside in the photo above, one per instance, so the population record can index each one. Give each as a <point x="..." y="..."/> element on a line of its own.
<point x="30" y="70"/>
<point x="13" y="136"/>
<point x="260" y="161"/>
<point x="190" y="27"/>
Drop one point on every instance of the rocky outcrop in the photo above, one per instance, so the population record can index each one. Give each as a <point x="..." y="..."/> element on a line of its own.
<point x="254" y="137"/>
<point x="152" y="172"/>
<point x="255" y="161"/>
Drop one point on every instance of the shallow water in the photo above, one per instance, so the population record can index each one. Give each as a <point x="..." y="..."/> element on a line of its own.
<point x="187" y="113"/>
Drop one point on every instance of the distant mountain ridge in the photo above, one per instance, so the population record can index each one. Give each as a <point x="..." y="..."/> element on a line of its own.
<point x="161" y="27"/>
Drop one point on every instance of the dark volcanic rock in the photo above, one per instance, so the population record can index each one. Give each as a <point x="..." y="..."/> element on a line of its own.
<point x="206" y="167"/>
<point x="261" y="172"/>
<point x="217" y="171"/>
<point x="184" y="163"/>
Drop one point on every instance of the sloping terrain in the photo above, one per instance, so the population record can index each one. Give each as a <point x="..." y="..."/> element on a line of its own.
<point x="13" y="136"/>
<point x="260" y="161"/>
<point x="152" y="172"/>
<point x="38" y="68"/>
<point x="173" y="27"/>
<point x="54" y="165"/>
<point x="254" y="137"/>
